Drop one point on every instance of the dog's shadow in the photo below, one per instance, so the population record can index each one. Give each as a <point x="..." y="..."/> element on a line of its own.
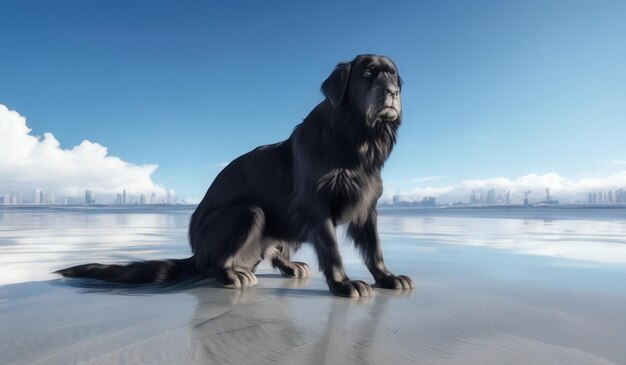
<point x="289" y="287"/>
<point x="86" y="285"/>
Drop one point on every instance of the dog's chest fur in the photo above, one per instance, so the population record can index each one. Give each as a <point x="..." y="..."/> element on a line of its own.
<point x="351" y="192"/>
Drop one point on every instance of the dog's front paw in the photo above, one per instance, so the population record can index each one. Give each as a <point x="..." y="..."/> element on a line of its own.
<point x="395" y="282"/>
<point x="295" y="269"/>
<point x="351" y="288"/>
<point x="237" y="278"/>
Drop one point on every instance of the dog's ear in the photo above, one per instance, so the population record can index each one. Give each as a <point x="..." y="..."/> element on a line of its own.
<point x="336" y="84"/>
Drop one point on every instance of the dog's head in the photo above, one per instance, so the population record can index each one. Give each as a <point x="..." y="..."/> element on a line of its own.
<point x="370" y="84"/>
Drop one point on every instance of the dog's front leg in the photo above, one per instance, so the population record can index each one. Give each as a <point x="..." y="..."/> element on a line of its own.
<point x="365" y="236"/>
<point x="325" y="242"/>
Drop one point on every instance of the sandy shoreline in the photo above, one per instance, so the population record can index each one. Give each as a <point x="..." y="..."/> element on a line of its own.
<point x="472" y="305"/>
<point x="450" y="318"/>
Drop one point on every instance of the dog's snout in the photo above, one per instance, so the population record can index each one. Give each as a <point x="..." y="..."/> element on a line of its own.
<point x="392" y="91"/>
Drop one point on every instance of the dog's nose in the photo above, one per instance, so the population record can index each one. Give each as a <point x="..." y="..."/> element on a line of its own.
<point x="392" y="90"/>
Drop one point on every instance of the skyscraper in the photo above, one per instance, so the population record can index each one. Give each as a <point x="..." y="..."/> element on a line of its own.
<point x="171" y="197"/>
<point x="491" y="196"/>
<point x="16" y="197"/>
<point x="40" y="197"/>
<point x="473" y="197"/>
<point x="90" y="197"/>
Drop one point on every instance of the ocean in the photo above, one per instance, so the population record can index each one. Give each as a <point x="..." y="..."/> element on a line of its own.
<point x="36" y="241"/>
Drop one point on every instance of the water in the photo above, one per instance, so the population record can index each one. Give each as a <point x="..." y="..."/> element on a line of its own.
<point x="515" y="286"/>
<point x="34" y="242"/>
<point x="593" y="236"/>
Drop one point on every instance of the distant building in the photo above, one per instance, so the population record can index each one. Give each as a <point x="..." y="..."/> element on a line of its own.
<point x="607" y="197"/>
<point x="142" y="199"/>
<point x="474" y="199"/>
<point x="124" y="196"/>
<point x="491" y="196"/>
<point x="425" y="202"/>
<point x="171" y="197"/>
<point x="14" y="198"/>
<point x="549" y="198"/>
<point x="40" y="197"/>
<point x="90" y="197"/>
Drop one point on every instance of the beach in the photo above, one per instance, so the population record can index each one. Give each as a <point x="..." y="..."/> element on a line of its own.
<point x="493" y="286"/>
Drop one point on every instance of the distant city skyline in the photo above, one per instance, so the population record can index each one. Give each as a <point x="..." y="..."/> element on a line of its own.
<point x="477" y="197"/>
<point x="89" y="197"/>
<point x="150" y="97"/>
<point x="493" y="197"/>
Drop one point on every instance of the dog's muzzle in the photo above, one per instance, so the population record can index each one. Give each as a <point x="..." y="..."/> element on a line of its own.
<point x="388" y="113"/>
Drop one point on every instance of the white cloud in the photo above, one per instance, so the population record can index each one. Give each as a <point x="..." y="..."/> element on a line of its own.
<point x="191" y="201"/>
<point x="565" y="189"/>
<point x="29" y="162"/>
<point x="426" y="178"/>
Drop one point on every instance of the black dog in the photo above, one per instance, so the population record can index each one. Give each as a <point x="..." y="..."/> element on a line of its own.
<point x="267" y="202"/>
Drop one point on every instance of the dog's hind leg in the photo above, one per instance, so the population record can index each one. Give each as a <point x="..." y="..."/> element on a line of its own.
<point x="227" y="243"/>
<point x="290" y="269"/>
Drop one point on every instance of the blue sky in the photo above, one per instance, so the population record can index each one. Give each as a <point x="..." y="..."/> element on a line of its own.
<point x="492" y="88"/>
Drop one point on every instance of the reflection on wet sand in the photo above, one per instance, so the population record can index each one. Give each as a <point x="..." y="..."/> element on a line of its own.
<point x="290" y="323"/>
<point x="446" y="320"/>
<point x="489" y="291"/>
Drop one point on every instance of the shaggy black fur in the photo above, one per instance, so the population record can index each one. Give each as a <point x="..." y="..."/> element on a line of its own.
<point x="267" y="202"/>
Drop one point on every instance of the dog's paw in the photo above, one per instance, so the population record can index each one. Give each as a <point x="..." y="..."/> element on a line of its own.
<point x="351" y="288"/>
<point x="395" y="282"/>
<point x="295" y="269"/>
<point x="237" y="278"/>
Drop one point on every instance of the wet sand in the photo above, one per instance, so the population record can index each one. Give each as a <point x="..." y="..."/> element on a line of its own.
<point x="481" y="298"/>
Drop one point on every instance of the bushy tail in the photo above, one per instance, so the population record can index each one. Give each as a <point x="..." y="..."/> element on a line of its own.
<point x="140" y="272"/>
